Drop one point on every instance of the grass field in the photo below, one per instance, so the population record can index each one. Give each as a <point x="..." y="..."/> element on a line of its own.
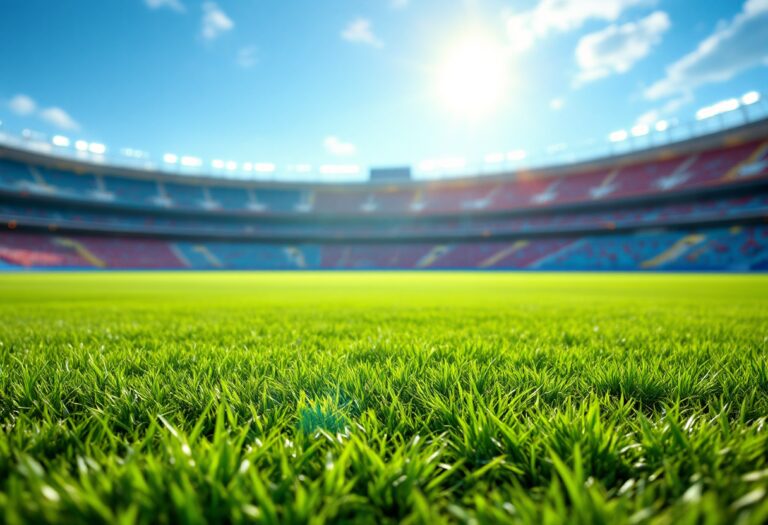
<point x="365" y="397"/>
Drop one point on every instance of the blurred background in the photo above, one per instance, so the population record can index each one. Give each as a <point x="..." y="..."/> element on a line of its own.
<point x="516" y="134"/>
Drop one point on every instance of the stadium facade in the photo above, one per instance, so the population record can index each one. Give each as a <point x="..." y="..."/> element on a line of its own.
<point x="698" y="205"/>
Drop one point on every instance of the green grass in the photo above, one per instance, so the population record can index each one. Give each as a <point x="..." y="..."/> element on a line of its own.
<point x="366" y="397"/>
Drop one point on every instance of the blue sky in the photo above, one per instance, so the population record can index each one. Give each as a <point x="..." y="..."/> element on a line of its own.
<point x="359" y="81"/>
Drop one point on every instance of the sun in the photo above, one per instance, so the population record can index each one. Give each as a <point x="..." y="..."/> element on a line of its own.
<point x="472" y="80"/>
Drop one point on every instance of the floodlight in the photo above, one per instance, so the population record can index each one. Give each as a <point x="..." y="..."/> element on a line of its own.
<point x="723" y="106"/>
<point x="61" y="141"/>
<point x="618" y="136"/>
<point x="191" y="162"/>
<point x="750" y="98"/>
<point x="96" y="148"/>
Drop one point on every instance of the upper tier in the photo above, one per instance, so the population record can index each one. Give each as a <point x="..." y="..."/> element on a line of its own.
<point x="735" y="157"/>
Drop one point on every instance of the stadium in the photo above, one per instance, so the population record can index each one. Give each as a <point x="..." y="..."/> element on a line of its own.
<point x="696" y="205"/>
<point x="402" y="261"/>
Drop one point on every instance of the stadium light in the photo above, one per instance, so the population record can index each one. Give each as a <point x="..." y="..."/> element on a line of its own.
<point x="170" y="158"/>
<point x="453" y="163"/>
<point x="517" y="154"/>
<point x="264" y="167"/>
<point x="618" y="135"/>
<point x="134" y="153"/>
<point x="704" y="113"/>
<point x="750" y="98"/>
<point x="61" y="141"/>
<point x="723" y="106"/>
<point x="303" y="168"/>
<point x="640" y="130"/>
<point x="96" y="148"/>
<point x="191" y="162"/>
<point x="247" y="166"/>
<point x="661" y="125"/>
<point x="217" y="164"/>
<point x="494" y="158"/>
<point x="231" y="165"/>
<point x="81" y="145"/>
<point x="428" y="165"/>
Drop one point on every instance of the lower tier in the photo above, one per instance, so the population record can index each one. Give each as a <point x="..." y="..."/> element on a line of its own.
<point x="732" y="248"/>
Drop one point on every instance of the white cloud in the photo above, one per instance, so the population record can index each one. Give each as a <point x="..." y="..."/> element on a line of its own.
<point x="215" y="21"/>
<point x="59" y="118"/>
<point x="22" y="105"/>
<point x="248" y="57"/>
<point x="335" y="146"/>
<point x="175" y="5"/>
<point x="615" y="49"/>
<point x="548" y="16"/>
<point x="735" y="46"/>
<point x="556" y="104"/>
<point x="359" y="31"/>
<point x="399" y="4"/>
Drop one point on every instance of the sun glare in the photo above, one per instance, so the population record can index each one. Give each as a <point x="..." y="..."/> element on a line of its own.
<point x="472" y="80"/>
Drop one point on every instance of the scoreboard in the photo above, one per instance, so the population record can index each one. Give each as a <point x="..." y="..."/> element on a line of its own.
<point x="398" y="174"/>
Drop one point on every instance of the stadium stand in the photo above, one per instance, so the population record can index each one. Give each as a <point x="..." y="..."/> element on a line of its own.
<point x="135" y="192"/>
<point x="279" y="200"/>
<point x="698" y="205"/>
<point x="713" y="209"/>
<point x="184" y="195"/>
<point x="235" y="199"/>
<point x="716" y="168"/>
<point x="67" y="182"/>
<point x="736" y="248"/>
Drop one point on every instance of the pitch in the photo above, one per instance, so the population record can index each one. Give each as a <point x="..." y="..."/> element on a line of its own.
<point x="383" y="397"/>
